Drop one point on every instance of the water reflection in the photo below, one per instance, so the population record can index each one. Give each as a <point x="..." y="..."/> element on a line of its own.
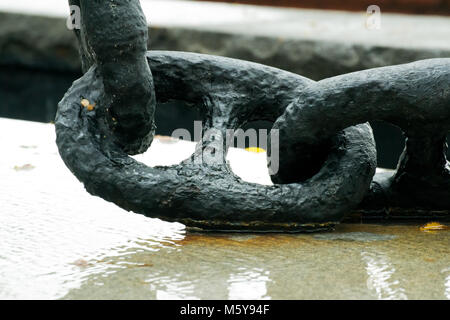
<point x="172" y="288"/>
<point x="248" y="284"/>
<point x="47" y="253"/>
<point x="54" y="234"/>
<point x="382" y="279"/>
<point x="447" y="283"/>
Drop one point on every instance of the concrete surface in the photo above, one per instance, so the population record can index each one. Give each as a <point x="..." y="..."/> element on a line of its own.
<point x="56" y="246"/>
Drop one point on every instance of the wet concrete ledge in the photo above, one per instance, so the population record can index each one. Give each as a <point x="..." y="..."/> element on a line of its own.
<point x="313" y="43"/>
<point x="59" y="242"/>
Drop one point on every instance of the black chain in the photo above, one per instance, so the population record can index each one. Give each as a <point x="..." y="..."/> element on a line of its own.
<point x="414" y="97"/>
<point x="327" y="157"/>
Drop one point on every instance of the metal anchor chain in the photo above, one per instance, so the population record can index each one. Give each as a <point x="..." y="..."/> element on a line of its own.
<point x="414" y="97"/>
<point x="114" y="37"/>
<point x="94" y="142"/>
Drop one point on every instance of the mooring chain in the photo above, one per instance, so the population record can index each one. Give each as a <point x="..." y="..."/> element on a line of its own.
<point x="109" y="112"/>
<point x="113" y="38"/>
<point x="414" y="97"/>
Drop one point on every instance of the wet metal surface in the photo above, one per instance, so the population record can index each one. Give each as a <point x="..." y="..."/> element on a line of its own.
<point x="58" y="242"/>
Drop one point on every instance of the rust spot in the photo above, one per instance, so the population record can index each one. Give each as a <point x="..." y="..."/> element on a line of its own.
<point x="433" y="226"/>
<point x="86" y="104"/>
<point x="246" y="240"/>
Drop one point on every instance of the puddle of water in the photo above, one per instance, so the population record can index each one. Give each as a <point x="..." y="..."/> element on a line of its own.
<point x="383" y="278"/>
<point x="60" y="242"/>
<point x="207" y="266"/>
<point x="355" y="236"/>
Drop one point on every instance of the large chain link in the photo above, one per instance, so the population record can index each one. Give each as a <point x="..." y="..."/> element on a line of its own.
<point x="327" y="157"/>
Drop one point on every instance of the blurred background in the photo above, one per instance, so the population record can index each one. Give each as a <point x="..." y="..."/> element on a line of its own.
<point x="402" y="6"/>
<point x="317" y="39"/>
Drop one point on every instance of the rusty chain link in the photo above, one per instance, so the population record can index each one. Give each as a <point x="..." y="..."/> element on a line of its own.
<point x="327" y="151"/>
